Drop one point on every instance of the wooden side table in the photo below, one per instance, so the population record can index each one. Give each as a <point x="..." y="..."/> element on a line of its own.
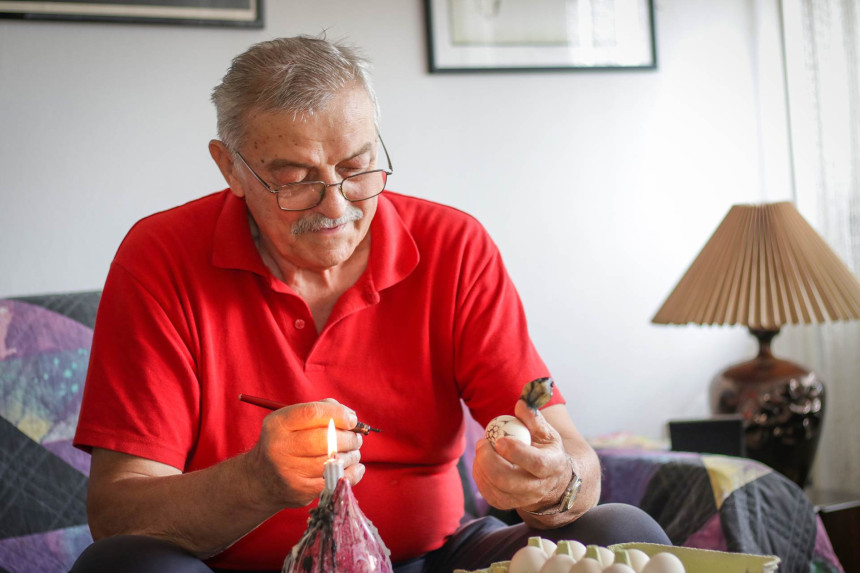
<point x="840" y="513"/>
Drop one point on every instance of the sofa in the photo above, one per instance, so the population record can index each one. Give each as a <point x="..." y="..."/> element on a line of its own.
<point x="704" y="501"/>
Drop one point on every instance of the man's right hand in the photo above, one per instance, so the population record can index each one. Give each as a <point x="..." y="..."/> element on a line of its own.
<point x="291" y="451"/>
<point x="206" y="511"/>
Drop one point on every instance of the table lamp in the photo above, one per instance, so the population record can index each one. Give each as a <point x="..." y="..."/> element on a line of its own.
<point x="765" y="267"/>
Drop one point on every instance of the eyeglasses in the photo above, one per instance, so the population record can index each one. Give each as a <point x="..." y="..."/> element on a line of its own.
<point x="304" y="195"/>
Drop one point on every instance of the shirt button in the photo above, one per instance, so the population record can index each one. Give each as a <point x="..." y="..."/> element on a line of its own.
<point x="299" y="323"/>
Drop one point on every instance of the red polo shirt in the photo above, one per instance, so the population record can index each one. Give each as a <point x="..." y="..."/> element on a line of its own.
<point x="190" y="318"/>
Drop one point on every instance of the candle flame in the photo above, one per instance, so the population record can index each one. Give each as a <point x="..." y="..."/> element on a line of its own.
<point x="332" y="439"/>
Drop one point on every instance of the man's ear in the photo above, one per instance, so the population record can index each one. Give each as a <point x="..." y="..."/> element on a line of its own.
<point x="224" y="159"/>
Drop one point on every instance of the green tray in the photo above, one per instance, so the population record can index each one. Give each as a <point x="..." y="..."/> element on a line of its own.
<point x="707" y="561"/>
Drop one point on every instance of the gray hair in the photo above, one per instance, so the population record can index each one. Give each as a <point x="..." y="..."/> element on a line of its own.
<point x="299" y="75"/>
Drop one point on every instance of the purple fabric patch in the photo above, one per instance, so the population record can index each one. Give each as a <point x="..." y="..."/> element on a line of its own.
<point x="76" y="458"/>
<point x="823" y="551"/>
<point x="627" y="472"/>
<point x="27" y="330"/>
<point x="51" y="552"/>
<point x="710" y="536"/>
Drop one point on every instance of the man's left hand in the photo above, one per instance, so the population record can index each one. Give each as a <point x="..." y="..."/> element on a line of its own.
<point x="514" y="475"/>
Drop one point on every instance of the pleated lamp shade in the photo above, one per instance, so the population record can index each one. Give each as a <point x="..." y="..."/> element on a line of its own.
<point x="764" y="267"/>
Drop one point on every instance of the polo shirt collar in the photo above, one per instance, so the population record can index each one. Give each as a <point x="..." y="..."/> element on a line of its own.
<point x="233" y="245"/>
<point x="393" y="252"/>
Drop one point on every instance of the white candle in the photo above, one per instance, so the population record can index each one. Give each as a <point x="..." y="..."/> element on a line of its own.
<point x="332" y="472"/>
<point x="333" y="468"/>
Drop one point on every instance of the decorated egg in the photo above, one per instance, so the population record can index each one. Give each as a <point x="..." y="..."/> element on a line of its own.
<point x="509" y="427"/>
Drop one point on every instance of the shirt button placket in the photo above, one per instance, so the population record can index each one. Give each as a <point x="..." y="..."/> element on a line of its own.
<point x="299" y="324"/>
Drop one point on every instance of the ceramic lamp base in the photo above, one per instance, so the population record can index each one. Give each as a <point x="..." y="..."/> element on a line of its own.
<point x="782" y="406"/>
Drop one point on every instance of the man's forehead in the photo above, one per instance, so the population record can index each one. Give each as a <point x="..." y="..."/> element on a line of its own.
<point x="293" y="157"/>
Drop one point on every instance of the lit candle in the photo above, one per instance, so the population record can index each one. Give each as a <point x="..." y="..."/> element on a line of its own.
<point x="333" y="468"/>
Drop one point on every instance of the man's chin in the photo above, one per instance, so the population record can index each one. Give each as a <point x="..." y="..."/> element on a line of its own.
<point x="327" y="251"/>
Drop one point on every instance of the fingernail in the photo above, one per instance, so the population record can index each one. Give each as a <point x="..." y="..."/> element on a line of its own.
<point x="353" y="418"/>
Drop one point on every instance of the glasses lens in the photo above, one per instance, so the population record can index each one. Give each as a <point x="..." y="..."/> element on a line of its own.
<point x="300" y="196"/>
<point x="364" y="185"/>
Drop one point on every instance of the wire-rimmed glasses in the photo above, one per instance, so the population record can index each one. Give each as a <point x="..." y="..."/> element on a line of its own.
<point x="304" y="195"/>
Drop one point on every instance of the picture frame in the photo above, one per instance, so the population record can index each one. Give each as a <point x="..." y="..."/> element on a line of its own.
<point x="539" y="35"/>
<point x="229" y="13"/>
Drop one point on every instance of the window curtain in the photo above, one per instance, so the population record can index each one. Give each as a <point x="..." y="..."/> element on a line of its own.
<point x="821" y="41"/>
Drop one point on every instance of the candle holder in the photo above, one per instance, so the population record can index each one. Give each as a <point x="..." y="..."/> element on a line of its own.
<point x="339" y="538"/>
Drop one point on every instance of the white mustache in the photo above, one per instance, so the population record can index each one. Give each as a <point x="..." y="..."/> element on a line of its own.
<point x="316" y="222"/>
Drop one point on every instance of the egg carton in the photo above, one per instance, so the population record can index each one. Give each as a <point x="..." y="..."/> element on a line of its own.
<point x="709" y="561"/>
<point x="688" y="560"/>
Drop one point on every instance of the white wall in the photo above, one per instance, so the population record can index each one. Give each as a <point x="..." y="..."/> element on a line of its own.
<point x="600" y="188"/>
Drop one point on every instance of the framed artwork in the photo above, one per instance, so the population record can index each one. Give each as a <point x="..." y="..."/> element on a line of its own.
<point x="243" y="13"/>
<point x="522" y="35"/>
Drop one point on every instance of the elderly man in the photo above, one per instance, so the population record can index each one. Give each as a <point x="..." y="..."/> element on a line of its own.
<point x="304" y="283"/>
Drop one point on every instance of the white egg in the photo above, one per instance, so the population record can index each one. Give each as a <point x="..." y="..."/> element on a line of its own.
<point x="558" y="564"/>
<point x="529" y="559"/>
<point x="575" y="548"/>
<point x="638" y="559"/>
<point x="619" y="568"/>
<point x="664" y="563"/>
<point x="548" y="546"/>
<point x="587" y="565"/>
<point x="607" y="557"/>
<point x="507" y="426"/>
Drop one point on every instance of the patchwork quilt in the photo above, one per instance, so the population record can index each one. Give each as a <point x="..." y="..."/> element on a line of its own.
<point x="722" y="503"/>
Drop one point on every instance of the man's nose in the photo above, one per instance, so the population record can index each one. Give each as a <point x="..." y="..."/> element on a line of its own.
<point x="334" y="204"/>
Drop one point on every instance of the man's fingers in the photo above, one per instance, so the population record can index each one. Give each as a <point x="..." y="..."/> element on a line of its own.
<point x="354" y="473"/>
<point x="301" y="430"/>
<point x="503" y="484"/>
<point x="317" y="414"/>
<point x="314" y="442"/>
<point x="540" y="429"/>
<point x="538" y="462"/>
<point x="351" y="415"/>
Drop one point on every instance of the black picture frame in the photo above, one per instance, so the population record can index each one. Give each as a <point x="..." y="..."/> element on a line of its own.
<point x="219" y="13"/>
<point x="540" y="35"/>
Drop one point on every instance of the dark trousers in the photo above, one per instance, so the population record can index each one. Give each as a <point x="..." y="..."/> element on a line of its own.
<point x="476" y="544"/>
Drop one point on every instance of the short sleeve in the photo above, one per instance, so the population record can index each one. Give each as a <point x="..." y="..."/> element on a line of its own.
<point x="142" y="393"/>
<point x="495" y="354"/>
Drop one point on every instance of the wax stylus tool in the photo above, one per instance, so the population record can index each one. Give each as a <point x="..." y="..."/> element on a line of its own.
<point x="360" y="428"/>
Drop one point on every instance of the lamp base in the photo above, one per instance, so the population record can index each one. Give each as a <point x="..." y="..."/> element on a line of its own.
<point x="782" y="406"/>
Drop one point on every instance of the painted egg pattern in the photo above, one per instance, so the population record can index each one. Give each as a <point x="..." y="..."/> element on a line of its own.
<point x="509" y="427"/>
